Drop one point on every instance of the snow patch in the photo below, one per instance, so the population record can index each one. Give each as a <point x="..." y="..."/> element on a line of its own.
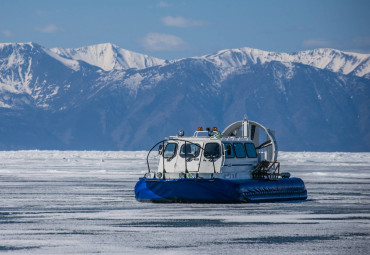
<point x="333" y="60"/>
<point x="4" y="105"/>
<point x="133" y="82"/>
<point x="53" y="93"/>
<point x="109" y="57"/>
<point x="70" y="63"/>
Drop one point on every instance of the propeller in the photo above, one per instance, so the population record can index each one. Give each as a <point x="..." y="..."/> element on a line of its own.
<point x="264" y="145"/>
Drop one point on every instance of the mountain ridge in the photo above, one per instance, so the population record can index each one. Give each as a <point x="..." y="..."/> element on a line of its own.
<point x="315" y="100"/>
<point x="109" y="57"/>
<point x="323" y="58"/>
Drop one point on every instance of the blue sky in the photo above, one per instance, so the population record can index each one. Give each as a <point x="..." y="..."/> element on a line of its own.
<point x="184" y="28"/>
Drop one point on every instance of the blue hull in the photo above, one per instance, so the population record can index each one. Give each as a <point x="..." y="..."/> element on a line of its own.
<point x="219" y="190"/>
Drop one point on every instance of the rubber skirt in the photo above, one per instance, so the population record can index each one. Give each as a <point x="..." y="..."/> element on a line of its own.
<point x="219" y="190"/>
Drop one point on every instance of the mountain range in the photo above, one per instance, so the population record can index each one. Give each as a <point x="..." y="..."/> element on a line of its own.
<point x="102" y="97"/>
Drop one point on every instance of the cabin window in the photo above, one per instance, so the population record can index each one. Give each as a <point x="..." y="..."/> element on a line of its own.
<point x="212" y="150"/>
<point x="239" y="150"/>
<point x="192" y="150"/>
<point x="229" y="152"/>
<point x="251" y="150"/>
<point x="170" y="150"/>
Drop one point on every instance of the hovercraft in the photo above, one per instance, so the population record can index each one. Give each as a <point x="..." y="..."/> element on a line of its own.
<point x="231" y="166"/>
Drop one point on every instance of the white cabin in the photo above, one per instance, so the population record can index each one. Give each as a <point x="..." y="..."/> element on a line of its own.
<point x="233" y="154"/>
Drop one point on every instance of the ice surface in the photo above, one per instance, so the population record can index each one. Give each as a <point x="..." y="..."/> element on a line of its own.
<point x="82" y="202"/>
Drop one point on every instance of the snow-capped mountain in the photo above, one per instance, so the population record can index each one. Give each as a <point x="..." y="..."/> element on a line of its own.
<point x="329" y="59"/>
<point x="109" y="57"/>
<point x="33" y="76"/>
<point x="104" y="97"/>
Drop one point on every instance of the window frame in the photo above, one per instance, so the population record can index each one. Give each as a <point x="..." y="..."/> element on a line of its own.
<point x="174" y="151"/>
<point x="195" y="156"/>
<point x="246" y="150"/>
<point x="242" y="145"/>
<point x="232" y="150"/>
<point x="205" y="150"/>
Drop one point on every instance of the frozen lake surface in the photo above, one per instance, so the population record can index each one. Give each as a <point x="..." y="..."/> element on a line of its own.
<point x="82" y="202"/>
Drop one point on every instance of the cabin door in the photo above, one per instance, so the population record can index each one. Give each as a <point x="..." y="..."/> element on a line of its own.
<point x="211" y="158"/>
<point x="169" y="158"/>
<point x="189" y="157"/>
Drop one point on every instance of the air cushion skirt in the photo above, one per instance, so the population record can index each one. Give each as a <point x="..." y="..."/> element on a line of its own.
<point x="219" y="190"/>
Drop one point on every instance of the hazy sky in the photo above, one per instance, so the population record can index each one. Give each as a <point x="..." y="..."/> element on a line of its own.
<point x="184" y="28"/>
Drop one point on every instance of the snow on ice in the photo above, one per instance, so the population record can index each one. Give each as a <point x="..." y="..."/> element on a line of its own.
<point x="80" y="202"/>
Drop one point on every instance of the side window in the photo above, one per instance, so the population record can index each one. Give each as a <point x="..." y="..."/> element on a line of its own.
<point x="251" y="150"/>
<point x="192" y="150"/>
<point x="239" y="150"/>
<point x="212" y="150"/>
<point x="229" y="152"/>
<point x="170" y="150"/>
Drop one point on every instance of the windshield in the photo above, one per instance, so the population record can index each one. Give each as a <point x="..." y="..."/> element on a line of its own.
<point x="191" y="150"/>
<point x="170" y="150"/>
<point x="212" y="150"/>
